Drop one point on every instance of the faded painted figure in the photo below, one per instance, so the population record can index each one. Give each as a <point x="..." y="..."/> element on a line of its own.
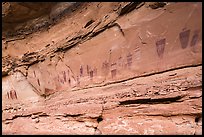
<point x="12" y="94"/>
<point x="160" y="46"/>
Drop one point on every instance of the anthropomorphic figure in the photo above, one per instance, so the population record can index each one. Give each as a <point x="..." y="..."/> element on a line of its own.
<point x="13" y="94"/>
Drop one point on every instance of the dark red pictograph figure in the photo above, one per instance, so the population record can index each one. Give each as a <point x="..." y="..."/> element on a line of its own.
<point x="81" y="71"/>
<point x="184" y="38"/>
<point x="91" y="74"/>
<point x="194" y="39"/>
<point x="129" y="59"/>
<point x="120" y="61"/>
<point x="160" y="46"/>
<point x="105" y="67"/>
<point x="113" y="73"/>
<point x="87" y="69"/>
<point x="64" y="75"/>
<point x="12" y="94"/>
<point x="113" y="70"/>
<point x="58" y="78"/>
<point x="69" y="82"/>
<point x="61" y="80"/>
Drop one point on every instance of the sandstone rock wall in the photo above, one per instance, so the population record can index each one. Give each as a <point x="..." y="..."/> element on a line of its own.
<point x="105" y="68"/>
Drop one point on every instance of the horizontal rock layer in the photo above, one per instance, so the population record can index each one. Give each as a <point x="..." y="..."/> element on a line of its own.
<point x="107" y="68"/>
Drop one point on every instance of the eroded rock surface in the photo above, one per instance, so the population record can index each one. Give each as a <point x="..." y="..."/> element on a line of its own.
<point x="103" y="68"/>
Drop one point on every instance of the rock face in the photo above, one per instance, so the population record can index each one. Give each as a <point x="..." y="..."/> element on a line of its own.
<point x="102" y="68"/>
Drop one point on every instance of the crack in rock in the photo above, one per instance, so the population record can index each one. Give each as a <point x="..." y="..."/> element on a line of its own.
<point x="130" y="7"/>
<point x="152" y="101"/>
<point x="32" y="115"/>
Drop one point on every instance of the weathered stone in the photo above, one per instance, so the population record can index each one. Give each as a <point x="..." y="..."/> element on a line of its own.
<point x="102" y="68"/>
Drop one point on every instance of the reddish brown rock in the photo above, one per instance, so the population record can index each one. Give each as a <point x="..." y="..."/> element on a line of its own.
<point x="104" y="68"/>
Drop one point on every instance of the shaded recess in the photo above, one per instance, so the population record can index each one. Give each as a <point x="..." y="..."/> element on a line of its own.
<point x="24" y="18"/>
